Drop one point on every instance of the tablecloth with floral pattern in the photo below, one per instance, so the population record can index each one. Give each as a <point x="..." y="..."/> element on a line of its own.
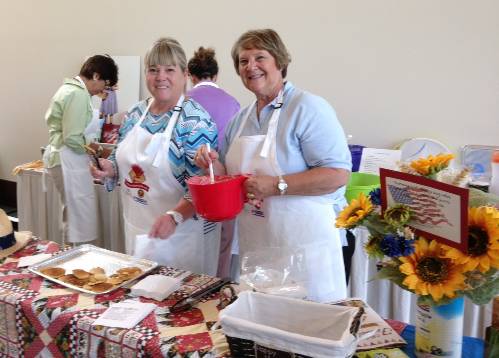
<point x="41" y="318"/>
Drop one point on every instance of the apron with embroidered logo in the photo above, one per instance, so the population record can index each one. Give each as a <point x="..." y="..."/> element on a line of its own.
<point x="292" y="222"/>
<point x="148" y="189"/>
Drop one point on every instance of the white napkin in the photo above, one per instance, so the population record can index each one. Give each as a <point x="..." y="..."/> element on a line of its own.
<point x="157" y="287"/>
<point x="33" y="259"/>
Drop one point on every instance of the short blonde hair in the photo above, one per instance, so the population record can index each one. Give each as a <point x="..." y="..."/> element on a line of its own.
<point x="166" y="51"/>
<point x="264" y="39"/>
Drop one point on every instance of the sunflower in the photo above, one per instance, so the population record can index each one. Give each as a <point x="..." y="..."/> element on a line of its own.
<point x="398" y="215"/>
<point x="372" y="247"/>
<point x="431" y="165"/>
<point x="357" y="210"/>
<point x="429" y="272"/>
<point x="483" y="241"/>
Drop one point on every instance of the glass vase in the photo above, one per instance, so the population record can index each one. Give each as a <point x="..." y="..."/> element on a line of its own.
<point x="439" y="329"/>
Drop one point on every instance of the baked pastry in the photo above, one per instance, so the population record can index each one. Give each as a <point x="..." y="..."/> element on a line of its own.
<point x="81" y="274"/>
<point x="54" y="272"/>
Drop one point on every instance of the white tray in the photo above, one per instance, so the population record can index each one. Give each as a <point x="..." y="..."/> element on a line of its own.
<point x="86" y="257"/>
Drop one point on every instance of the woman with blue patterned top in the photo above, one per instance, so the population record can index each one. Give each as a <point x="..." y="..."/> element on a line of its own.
<point x="153" y="160"/>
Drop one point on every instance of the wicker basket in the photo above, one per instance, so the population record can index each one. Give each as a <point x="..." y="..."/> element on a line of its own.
<point x="242" y="348"/>
<point x="254" y="330"/>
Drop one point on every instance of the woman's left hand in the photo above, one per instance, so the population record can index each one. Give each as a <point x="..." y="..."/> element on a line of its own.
<point x="259" y="187"/>
<point x="163" y="227"/>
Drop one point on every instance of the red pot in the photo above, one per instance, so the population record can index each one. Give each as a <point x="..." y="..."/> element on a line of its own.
<point x="218" y="201"/>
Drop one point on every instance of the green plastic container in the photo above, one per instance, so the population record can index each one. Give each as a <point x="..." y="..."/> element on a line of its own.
<point x="361" y="183"/>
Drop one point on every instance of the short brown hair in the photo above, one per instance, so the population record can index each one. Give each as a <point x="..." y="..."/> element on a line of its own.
<point x="203" y="64"/>
<point x="103" y="65"/>
<point x="264" y="39"/>
<point x="166" y="51"/>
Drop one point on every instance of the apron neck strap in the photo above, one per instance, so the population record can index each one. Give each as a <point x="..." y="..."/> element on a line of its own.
<point x="78" y="78"/>
<point x="176" y="109"/>
<point x="277" y="105"/>
<point x="178" y="106"/>
<point x="176" y="112"/>
<point x="272" y="129"/>
<point x="240" y="129"/>
<point x="159" y="144"/>
<point x="279" y="101"/>
<point x="146" y="111"/>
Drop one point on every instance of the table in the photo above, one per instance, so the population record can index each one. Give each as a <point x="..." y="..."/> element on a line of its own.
<point x="390" y="301"/>
<point x="40" y="212"/>
<point x="41" y="318"/>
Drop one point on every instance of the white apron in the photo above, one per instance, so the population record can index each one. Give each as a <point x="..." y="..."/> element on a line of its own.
<point x="304" y="223"/>
<point x="81" y="199"/>
<point x="148" y="189"/>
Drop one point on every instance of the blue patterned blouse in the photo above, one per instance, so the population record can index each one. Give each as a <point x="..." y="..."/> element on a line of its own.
<point x="194" y="127"/>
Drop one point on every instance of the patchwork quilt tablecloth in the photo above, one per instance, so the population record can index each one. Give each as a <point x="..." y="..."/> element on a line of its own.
<point x="41" y="318"/>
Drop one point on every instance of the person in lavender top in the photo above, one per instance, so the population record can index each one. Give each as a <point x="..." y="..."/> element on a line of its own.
<point x="203" y="71"/>
<point x="109" y="105"/>
<point x="222" y="107"/>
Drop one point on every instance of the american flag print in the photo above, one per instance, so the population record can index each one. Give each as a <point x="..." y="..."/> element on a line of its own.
<point x="424" y="204"/>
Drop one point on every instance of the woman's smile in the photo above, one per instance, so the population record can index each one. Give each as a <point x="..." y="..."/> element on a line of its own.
<point x="260" y="74"/>
<point x="166" y="84"/>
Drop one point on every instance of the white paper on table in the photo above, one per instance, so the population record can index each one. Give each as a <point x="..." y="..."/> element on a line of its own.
<point x="157" y="287"/>
<point x="126" y="314"/>
<point x="33" y="259"/>
<point x="372" y="159"/>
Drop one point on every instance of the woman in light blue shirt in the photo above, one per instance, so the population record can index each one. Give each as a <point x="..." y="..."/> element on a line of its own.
<point x="295" y="148"/>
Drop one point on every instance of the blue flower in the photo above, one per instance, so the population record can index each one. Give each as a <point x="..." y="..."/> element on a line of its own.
<point x="395" y="246"/>
<point x="375" y="196"/>
<point x="406" y="247"/>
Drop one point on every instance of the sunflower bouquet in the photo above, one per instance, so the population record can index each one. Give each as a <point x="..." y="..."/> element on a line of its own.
<point x="436" y="272"/>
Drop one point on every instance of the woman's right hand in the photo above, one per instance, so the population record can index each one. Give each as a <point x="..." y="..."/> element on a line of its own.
<point x="202" y="158"/>
<point x="106" y="172"/>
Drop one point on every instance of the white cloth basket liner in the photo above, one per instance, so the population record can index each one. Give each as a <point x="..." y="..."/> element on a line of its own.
<point x="291" y="325"/>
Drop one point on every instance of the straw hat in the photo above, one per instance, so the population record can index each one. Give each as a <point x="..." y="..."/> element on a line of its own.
<point x="11" y="241"/>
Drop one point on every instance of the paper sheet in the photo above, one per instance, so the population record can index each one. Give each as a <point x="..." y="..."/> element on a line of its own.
<point x="126" y="314"/>
<point x="372" y="159"/>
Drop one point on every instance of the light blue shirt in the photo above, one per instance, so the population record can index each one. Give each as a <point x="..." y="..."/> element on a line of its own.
<point x="309" y="134"/>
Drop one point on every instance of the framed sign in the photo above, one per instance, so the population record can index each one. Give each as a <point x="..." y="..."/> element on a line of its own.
<point x="438" y="211"/>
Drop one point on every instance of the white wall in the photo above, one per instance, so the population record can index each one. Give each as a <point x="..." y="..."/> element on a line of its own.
<point x="393" y="69"/>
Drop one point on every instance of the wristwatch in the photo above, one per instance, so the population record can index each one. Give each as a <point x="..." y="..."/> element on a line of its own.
<point x="177" y="217"/>
<point x="282" y="185"/>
